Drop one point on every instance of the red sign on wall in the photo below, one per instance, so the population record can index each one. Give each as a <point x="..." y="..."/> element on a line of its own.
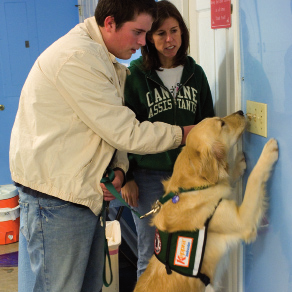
<point x="220" y="13"/>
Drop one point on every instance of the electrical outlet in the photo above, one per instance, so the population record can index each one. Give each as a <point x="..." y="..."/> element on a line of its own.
<point x="257" y="116"/>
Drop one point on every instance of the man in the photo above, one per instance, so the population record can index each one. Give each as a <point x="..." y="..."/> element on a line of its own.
<point x="71" y="124"/>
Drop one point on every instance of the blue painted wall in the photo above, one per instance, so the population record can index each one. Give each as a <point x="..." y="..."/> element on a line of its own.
<point x="266" y="59"/>
<point x="54" y="19"/>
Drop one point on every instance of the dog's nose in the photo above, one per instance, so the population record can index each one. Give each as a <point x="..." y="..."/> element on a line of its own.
<point x="240" y="113"/>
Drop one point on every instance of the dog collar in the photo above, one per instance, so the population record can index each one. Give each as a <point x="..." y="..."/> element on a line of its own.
<point x="157" y="206"/>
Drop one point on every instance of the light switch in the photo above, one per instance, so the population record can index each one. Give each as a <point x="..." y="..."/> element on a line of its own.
<point x="257" y="116"/>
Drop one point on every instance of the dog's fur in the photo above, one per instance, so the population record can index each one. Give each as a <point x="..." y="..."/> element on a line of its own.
<point x="203" y="161"/>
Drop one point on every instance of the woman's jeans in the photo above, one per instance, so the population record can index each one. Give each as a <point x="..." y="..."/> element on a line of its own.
<point x="61" y="246"/>
<point x="150" y="190"/>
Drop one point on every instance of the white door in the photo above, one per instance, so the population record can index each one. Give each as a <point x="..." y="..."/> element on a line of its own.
<point x="217" y="51"/>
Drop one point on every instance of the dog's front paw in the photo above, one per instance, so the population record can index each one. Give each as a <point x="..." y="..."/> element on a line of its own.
<point x="268" y="158"/>
<point x="270" y="152"/>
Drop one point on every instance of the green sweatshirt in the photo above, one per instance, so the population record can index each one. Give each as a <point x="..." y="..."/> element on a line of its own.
<point x="147" y="96"/>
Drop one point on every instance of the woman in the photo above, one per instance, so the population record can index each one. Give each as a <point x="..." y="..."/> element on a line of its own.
<point x="165" y="85"/>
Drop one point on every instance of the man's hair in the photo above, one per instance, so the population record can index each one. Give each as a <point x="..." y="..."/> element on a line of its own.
<point x="123" y="10"/>
<point x="151" y="60"/>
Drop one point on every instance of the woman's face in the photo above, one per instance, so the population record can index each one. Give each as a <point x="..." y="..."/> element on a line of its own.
<point x="167" y="41"/>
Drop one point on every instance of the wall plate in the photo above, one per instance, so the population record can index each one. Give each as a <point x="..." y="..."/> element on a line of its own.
<point x="257" y="116"/>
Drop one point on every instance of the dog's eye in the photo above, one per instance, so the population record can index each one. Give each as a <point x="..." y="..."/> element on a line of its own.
<point x="222" y="123"/>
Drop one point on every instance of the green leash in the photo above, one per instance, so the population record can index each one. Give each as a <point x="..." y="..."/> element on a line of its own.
<point x="106" y="251"/>
<point x="107" y="181"/>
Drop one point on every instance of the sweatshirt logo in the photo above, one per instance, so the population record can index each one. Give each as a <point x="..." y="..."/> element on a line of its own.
<point x="185" y="99"/>
<point x="183" y="251"/>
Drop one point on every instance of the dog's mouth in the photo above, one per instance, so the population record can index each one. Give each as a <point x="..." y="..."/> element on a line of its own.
<point x="238" y="122"/>
<point x="238" y="119"/>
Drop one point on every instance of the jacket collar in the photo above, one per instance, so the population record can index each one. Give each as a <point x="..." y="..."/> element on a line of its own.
<point x="95" y="34"/>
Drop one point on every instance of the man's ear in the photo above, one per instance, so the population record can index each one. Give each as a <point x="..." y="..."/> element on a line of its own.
<point x="110" y="24"/>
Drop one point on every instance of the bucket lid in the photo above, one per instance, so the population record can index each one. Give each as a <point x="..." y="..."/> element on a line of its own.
<point x="8" y="192"/>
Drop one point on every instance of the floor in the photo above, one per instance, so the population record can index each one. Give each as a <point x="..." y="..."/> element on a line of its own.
<point x="9" y="270"/>
<point x="127" y="269"/>
<point x="8" y="267"/>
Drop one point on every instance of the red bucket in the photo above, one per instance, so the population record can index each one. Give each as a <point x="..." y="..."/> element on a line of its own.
<point x="9" y="214"/>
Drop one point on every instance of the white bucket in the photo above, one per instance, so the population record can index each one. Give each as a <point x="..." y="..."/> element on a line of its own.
<point x="7" y="214"/>
<point x="113" y="235"/>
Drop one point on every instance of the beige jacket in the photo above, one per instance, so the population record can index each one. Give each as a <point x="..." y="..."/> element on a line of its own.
<point x="71" y="119"/>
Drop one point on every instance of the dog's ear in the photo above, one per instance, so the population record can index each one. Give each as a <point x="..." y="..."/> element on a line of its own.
<point x="219" y="152"/>
<point x="209" y="168"/>
<point x="203" y="160"/>
<point x="208" y="159"/>
<point x="214" y="159"/>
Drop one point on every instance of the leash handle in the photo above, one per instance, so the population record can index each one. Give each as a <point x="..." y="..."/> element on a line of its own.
<point x="107" y="181"/>
<point x="106" y="250"/>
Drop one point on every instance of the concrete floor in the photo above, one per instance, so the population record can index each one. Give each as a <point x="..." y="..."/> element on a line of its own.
<point x="8" y="267"/>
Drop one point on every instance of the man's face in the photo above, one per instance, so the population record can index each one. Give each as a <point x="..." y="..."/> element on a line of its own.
<point x="130" y="37"/>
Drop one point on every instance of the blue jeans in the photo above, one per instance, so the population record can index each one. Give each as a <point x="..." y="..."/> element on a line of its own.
<point x="150" y="190"/>
<point x="61" y="246"/>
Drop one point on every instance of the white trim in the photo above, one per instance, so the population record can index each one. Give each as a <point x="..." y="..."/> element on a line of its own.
<point x="238" y="255"/>
<point x="237" y="60"/>
<point x="199" y="252"/>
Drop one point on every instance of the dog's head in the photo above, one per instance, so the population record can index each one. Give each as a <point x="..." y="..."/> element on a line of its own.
<point x="209" y="142"/>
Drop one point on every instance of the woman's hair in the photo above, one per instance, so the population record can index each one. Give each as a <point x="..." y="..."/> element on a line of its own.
<point x="123" y="10"/>
<point x="151" y="60"/>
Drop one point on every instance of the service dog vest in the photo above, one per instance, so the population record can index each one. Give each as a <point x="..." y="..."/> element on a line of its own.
<point x="183" y="251"/>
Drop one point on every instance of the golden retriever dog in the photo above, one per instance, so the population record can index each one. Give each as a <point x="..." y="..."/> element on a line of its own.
<point x="200" y="189"/>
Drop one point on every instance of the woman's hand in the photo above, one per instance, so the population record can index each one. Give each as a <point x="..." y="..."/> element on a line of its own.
<point x="130" y="193"/>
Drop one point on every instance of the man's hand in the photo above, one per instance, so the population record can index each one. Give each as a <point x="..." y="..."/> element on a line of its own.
<point x="130" y="193"/>
<point x="117" y="183"/>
